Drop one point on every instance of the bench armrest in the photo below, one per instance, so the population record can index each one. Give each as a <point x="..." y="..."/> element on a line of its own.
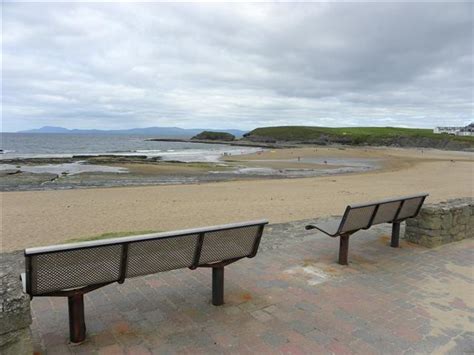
<point x="329" y="228"/>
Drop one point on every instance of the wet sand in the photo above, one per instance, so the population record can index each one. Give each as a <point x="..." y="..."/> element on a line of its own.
<point x="36" y="218"/>
<point x="114" y="171"/>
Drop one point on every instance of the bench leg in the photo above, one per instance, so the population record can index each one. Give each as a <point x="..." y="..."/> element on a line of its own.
<point x="218" y="286"/>
<point x="77" y="325"/>
<point x="343" y="249"/>
<point x="395" y="234"/>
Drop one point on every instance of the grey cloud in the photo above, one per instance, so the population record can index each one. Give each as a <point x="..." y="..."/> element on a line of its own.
<point x="193" y="65"/>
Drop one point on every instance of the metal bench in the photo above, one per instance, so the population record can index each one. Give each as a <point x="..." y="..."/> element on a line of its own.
<point x="71" y="270"/>
<point x="363" y="216"/>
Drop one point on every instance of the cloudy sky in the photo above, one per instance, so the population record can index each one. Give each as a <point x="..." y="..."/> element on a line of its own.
<point x="123" y="65"/>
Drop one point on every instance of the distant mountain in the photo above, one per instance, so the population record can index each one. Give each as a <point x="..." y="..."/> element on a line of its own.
<point x="155" y="131"/>
<point x="47" y="129"/>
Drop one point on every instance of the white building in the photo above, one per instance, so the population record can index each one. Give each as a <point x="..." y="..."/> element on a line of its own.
<point x="456" y="131"/>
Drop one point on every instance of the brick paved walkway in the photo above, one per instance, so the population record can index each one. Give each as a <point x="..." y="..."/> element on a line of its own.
<point x="292" y="298"/>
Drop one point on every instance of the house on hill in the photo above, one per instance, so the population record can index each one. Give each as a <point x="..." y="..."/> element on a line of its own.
<point x="456" y="131"/>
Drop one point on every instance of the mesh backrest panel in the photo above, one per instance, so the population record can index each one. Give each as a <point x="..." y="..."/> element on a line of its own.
<point x="357" y="218"/>
<point x="151" y="256"/>
<point x="68" y="269"/>
<point x="386" y="212"/>
<point x="228" y="244"/>
<point x="74" y="268"/>
<point x="410" y="207"/>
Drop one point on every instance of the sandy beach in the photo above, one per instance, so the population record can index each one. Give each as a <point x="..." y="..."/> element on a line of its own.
<point x="35" y="218"/>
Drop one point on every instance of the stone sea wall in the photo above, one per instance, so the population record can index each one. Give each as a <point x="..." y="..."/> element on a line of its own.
<point x="442" y="223"/>
<point x="15" y="316"/>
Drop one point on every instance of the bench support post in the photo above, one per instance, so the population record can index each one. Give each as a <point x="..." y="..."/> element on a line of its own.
<point x="343" y="249"/>
<point x="77" y="325"/>
<point x="218" y="285"/>
<point x="395" y="235"/>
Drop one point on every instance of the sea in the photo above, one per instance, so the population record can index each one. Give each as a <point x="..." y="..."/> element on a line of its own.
<point x="48" y="145"/>
<point x="57" y="145"/>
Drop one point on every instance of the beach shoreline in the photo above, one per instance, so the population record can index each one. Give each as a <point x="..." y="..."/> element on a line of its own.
<point x="95" y="171"/>
<point x="34" y="218"/>
<point x="235" y="143"/>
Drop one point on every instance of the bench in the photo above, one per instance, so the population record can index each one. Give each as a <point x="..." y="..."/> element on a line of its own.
<point x="363" y="216"/>
<point x="71" y="270"/>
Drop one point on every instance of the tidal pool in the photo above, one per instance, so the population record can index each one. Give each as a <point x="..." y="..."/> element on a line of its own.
<point x="69" y="168"/>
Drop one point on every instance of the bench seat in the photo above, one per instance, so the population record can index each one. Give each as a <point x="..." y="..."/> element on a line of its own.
<point x="71" y="270"/>
<point x="363" y="216"/>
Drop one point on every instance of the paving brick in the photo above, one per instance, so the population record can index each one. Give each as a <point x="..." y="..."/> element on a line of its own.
<point x="102" y="339"/>
<point x="111" y="350"/>
<point x="339" y="348"/>
<point x="274" y="339"/>
<point x="319" y="337"/>
<point x="261" y="316"/>
<point x="383" y="303"/>
<point x="60" y="349"/>
<point x="302" y="327"/>
<point x="464" y="344"/>
<point x="291" y="349"/>
<point x="138" y="350"/>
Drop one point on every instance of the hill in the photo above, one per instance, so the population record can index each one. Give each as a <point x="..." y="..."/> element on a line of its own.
<point x="214" y="136"/>
<point x="375" y="136"/>
<point x="156" y="131"/>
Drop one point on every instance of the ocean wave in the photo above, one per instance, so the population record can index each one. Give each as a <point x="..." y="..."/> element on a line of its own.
<point x="148" y="151"/>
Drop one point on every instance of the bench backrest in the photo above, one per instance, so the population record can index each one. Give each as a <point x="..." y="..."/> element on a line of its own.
<point x="69" y="266"/>
<point x="363" y="216"/>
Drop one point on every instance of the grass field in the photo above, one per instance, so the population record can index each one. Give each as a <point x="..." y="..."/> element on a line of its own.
<point x="357" y="135"/>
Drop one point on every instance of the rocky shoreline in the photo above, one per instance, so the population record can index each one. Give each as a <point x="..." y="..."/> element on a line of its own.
<point x="236" y="143"/>
<point x="88" y="159"/>
<point x="88" y="171"/>
<point x="325" y="140"/>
